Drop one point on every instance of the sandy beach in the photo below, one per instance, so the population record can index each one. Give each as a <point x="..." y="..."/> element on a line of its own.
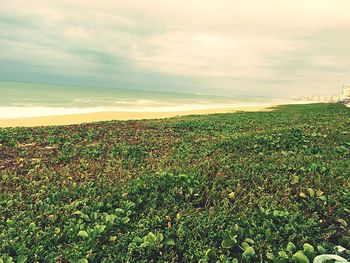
<point x="106" y="116"/>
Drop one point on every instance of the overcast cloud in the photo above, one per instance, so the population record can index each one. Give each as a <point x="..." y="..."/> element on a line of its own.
<point x="230" y="47"/>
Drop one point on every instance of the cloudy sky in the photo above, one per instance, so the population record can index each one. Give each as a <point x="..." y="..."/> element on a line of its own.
<point x="256" y="47"/>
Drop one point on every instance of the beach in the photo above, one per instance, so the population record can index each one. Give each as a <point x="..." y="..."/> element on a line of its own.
<point x="69" y="119"/>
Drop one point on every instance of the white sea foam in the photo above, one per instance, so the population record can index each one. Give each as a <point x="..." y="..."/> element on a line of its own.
<point x="13" y="112"/>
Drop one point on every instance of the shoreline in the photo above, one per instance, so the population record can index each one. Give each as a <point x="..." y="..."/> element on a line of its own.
<point x="80" y="118"/>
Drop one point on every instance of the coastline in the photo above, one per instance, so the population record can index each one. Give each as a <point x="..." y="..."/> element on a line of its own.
<point x="70" y="119"/>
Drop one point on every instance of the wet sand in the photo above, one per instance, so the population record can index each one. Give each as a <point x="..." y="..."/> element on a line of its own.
<point x="106" y="116"/>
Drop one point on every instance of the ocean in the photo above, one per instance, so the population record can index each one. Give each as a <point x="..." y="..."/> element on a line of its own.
<point x="27" y="99"/>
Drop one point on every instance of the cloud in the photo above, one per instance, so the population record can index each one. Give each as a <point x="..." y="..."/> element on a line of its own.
<point x="282" y="48"/>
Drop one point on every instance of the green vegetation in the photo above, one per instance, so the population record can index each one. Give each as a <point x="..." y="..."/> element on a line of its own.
<point x="241" y="187"/>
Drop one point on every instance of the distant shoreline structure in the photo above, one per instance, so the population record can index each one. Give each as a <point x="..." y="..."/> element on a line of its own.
<point x="344" y="97"/>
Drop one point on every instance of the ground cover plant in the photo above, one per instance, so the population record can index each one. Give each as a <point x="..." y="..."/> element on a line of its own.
<point x="241" y="187"/>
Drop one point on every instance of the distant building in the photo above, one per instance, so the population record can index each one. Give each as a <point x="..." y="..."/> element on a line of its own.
<point x="335" y="99"/>
<point x="344" y="97"/>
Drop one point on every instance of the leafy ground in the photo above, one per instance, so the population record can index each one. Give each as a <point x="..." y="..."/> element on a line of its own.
<point x="251" y="186"/>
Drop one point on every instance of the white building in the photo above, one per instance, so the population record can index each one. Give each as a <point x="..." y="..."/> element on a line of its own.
<point x="345" y="96"/>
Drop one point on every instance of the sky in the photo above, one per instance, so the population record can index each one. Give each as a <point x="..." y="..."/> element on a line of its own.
<point x="285" y="48"/>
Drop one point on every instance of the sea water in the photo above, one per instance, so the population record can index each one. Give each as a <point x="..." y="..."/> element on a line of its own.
<point x="26" y="99"/>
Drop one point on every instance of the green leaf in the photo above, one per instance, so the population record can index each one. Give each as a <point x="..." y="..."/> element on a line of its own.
<point x="110" y="218"/>
<point x="342" y="222"/>
<point x="125" y="220"/>
<point x="319" y="193"/>
<point x="249" y="252"/>
<point x="169" y="242"/>
<point x="78" y="212"/>
<point x="295" y="180"/>
<point x="244" y="245"/>
<point x="231" y="195"/>
<point x="308" y="249"/>
<point x="151" y="237"/>
<point x="83" y="260"/>
<point x="119" y="211"/>
<point x="250" y="241"/>
<point x="32" y="226"/>
<point x="10" y="223"/>
<point x="228" y="243"/>
<point x="160" y="237"/>
<point x="299" y="257"/>
<point x="323" y="198"/>
<point x="302" y="195"/>
<point x="270" y="256"/>
<point x="57" y="230"/>
<point x="321" y="250"/>
<point x="291" y="247"/>
<point x="138" y="240"/>
<point x="147" y="244"/>
<point x="100" y="228"/>
<point x="22" y="259"/>
<point x="311" y="192"/>
<point x="276" y="213"/>
<point x="6" y="259"/>
<point x="114" y="238"/>
<point x="209" y="253"/>
<point x="283" y="254"/>
<point x="83" y="233"/>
